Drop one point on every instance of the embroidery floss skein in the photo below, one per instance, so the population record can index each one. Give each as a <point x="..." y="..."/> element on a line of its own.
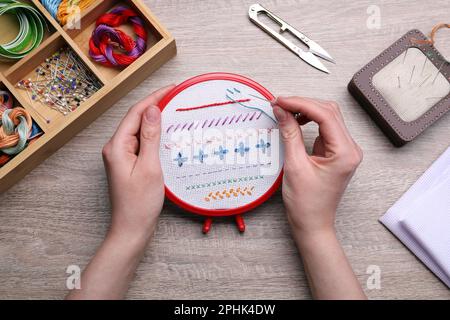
<point x="5" y="101"/>
<point x="15" y="130"/>
<point x="31" y="29"/>
<point x="6" y="104"/>
<point x="63" y="10"/>
<point x="70" y="8"/>
<point x="51" y="6"/>
<point x="106" y="37"/>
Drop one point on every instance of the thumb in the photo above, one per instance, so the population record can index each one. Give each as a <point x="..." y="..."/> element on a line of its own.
<point x="291" y="135"/>
<point x="150" y="136"/>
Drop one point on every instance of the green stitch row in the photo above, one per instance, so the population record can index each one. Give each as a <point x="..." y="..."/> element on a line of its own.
<point x="222" y="182"/>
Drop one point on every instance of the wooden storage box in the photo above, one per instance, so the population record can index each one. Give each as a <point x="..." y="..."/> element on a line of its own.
<point x="116" y="82"/>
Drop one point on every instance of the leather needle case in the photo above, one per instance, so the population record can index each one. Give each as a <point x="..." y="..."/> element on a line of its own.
<point x="405" y="89"/>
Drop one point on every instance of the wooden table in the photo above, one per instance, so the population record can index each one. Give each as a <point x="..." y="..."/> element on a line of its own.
<point x="58" y="215"/>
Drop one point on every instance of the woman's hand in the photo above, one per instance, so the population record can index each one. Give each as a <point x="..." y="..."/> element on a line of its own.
<point x="134" y="172"/>
<point x="137" y="194"/>
<point x="314" y="184"/>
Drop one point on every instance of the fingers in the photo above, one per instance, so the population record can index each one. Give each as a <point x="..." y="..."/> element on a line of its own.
<point x="291" y="135"/>
<point x="334" y="138"/>
<point x="150" y="137"/>
<point x="325" y="115"/>
<point x="302" y="120"/>
<point x="131" y="123"/>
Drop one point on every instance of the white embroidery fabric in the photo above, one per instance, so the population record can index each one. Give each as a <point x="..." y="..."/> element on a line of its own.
<point x="421" y="218"/>
<point x="220" y="157"/>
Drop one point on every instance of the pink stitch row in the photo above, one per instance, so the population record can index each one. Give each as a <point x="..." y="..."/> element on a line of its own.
<point x="216" y="122"/>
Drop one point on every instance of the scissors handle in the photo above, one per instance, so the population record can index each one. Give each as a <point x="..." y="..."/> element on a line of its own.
<point x="308" y="56"/>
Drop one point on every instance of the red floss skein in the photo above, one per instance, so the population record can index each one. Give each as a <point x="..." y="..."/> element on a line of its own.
<point x="106" y="36"/>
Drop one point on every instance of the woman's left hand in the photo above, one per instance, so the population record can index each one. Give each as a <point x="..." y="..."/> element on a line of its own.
<point x="134" y="172"/>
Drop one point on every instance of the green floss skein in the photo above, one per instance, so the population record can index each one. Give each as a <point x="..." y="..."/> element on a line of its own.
<point x="31" y="30"/>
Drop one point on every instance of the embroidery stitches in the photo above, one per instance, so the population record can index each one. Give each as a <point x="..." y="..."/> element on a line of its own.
<point x="242" y="149"/>
<point x="216" y="122"/>
<point x="180" y="159"/>
<point x="201" y="156"/>
<point x="224" y="170"/>
<point x="221" y="153"/>
<point x="232" y="93"/>
<point x="228" y="193"/>
<point x="263" y="145"/>
<point x="217" y="104"/>
<point x="223" y="182"/>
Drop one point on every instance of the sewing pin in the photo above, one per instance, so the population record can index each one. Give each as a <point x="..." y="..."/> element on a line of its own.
<point x="437" y="73"/>
<point x="424" y="64"/>
<point x="399" y="85"/>
<point x="47" y="120"/>
<point x="434" y="98"/>
<point x="412" y="74"/>
<point x="425" y="80"/>
<point x="404" y="57"/>
<point x="260" y="98"/>
<point x="35" y="109"/>
<point x="296" y="115"/>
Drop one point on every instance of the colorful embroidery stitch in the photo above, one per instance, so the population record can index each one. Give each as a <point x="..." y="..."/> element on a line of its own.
<point x="240" y="102"/>
<point x="221" y="153"/>
<point x="242" y="149"/>
<point x="201" y="156"/>
<point x="263" y="146"/>
<point x="223" y="182"/>
<point x="224" y="170"/>
<point x="180" y="159"/>
<point x="217" y="104"/>
<point x="216" y="122"/>
<point x="228" y="193"/>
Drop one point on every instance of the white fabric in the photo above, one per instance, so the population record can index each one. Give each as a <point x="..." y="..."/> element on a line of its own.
<point x="215" y="175"/>
<point x="421" y="218"/>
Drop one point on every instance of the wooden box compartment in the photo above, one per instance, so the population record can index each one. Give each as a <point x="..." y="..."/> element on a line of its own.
<point x="9" y="30"/>
<point x="115" y="83"/>
<point x="15" y="161"/>
<point x="81" y="36"/>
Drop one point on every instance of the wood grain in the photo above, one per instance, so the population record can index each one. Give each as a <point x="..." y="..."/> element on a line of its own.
<point x="59" y="213"/>
<point x="62" y="129"/>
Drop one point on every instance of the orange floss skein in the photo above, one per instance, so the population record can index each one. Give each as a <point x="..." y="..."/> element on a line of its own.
<point x="68" y="8"/>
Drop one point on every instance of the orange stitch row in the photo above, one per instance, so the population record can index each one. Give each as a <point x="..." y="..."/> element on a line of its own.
<point x="228" y="193"/>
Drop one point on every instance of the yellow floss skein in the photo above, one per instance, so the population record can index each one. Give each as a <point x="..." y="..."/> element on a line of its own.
<point x="66" y="9"/>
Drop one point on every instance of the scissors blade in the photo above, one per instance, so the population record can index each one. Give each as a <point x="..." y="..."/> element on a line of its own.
<point x="319" y="51"/>
<point x="312" y="60"/>
<point x="307" y="56"/>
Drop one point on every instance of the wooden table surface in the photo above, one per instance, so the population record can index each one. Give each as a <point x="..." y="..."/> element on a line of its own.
<point x="58" y="214"/>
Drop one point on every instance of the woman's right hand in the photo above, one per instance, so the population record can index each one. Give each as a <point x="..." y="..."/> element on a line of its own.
<point x="314" y="184"/>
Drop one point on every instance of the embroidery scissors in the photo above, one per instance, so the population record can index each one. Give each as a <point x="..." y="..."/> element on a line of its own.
<point x="308" y="56"/>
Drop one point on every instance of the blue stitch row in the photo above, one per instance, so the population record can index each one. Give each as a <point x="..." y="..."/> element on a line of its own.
<point x="242" y="150"/>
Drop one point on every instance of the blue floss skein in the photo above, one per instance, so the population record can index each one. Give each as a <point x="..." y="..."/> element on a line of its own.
<point x="52" y="6"/>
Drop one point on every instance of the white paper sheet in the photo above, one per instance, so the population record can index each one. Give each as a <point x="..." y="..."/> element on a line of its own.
<point x="421" y="218"/>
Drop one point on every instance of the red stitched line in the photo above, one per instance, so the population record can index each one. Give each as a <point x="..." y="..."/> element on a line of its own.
<point x="218" y="104"/>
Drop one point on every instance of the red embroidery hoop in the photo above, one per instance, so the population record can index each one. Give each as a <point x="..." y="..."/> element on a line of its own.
<point x="237" y="212"/>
